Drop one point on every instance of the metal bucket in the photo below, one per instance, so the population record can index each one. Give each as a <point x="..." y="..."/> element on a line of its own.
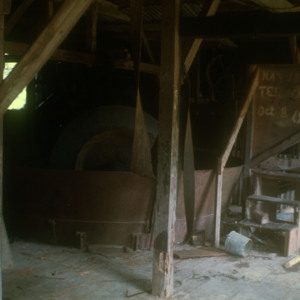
<point x="238" y="244"/>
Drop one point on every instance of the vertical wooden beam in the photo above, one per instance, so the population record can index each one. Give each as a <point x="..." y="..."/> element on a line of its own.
<point x="148" y="49"/>
<point x="5" y="254"/>
<point x="92" y="26"/>
<point x="40" y="52"/>
<point x="1" y="143"/>
<point x="168" y="148"/>
<point x="218" y="201"/>
<point x="136" y="16"/>
<point x="50" y="8"/>
<point x="294" y="50"/>
<point x="224" y="157"/>
<point x="248" y="155"/>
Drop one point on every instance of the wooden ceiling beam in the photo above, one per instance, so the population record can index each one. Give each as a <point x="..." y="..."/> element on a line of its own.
<point x="248" y="25"/>
<point x="122" y="28"/>
<point x="271" y="4"/>
<point x="19" y="49"/>
<point x="214" y="4"/>
<point x="16" y="16"/>
<point x="144" y="67"/>
<point x="111" y="10"/>
<point x="41" y="51"/>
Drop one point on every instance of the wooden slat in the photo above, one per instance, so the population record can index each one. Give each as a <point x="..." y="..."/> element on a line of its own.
<point x="224" y="157"/>
<point x="125" y="28"/>
<point x="218" y="204"/>
<point x="40" y="52"/>
<point x="168" y="148"/>
<point x="252" y="88"/>
<point x="274" y="200"/>
<point x="197" y="253"/>
<point x="269" y="226"/>
<point x="144" y="67"/>
<point x="292" y="262"/>
<point x="16" y="16"/>
<point x="277" y="174"/>
<point x="19" y="49"/>
<point x="278" y="148"/>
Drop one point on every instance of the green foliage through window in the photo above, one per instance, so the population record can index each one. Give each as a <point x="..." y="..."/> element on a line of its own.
<point x="20" y="101"/>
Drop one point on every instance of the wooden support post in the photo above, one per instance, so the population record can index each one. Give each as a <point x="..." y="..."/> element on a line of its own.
<point x="136" y="9"/>
<point x="50" y="8"/>
<point x="168" y="147"/>
<point x="1" y="145"/>
<point x="218" y="205"/>
<point x="5" y="254"/>
<point x="248" y="155"/>
<point x="40" y="52"/>
<point x="92" y="26"/>
<point x="224" y="157"/>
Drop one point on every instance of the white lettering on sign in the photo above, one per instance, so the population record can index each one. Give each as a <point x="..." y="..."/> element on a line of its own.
<point x="280" y="76"/>
<point x="282" y="113"/>
<point x="267" y="91"/>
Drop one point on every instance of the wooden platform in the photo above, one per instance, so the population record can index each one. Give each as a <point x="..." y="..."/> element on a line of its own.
<point x="289" y="233"/>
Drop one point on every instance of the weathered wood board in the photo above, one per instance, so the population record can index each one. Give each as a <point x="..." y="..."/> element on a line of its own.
<point x="276" y="109"/>
<point x="201" y="252"/>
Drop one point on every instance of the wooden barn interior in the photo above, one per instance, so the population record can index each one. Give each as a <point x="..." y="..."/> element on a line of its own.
<point x="148" y="124"/>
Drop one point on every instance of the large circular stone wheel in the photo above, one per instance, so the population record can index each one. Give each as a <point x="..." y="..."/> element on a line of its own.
<point x="109" y="150"/>
<point x="100" y="140"/>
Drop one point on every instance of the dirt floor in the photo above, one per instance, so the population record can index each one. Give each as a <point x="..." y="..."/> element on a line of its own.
<point x="52" y="272"/>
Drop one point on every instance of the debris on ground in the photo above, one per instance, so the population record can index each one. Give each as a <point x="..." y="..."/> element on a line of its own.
<point x="292" y="262"/>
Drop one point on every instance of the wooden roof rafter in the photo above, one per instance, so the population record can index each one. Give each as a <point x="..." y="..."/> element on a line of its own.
<point x="41" y="51"/>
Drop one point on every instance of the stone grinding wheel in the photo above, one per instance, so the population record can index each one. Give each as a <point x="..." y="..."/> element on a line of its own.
<point x="100" y="140"/>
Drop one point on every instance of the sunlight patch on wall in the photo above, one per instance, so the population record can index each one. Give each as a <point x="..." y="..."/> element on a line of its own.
<point x="20" y="101"/>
